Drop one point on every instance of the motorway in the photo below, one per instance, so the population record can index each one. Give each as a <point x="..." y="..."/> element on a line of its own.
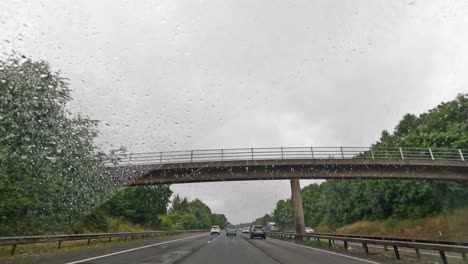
<point x="204" y="249"/>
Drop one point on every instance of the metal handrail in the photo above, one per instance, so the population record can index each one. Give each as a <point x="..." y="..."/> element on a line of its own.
<point x="14" y="241"/>
<point x="284" y="153"/>
<point x="395" y="242"/>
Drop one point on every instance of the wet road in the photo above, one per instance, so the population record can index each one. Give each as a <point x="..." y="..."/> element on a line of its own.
<point x="203" y="249"/>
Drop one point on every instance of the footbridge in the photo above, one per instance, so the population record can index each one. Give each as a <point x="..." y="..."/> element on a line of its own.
<point x="292" y="163"/>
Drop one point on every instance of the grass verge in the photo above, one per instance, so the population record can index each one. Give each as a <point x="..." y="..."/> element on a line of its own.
<point x="26" y="250"/>
<point x="453" y="226"/>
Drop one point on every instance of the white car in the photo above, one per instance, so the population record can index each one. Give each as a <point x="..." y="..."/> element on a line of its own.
<point x="245" y="230"/>
<point x="215" y="230"/>
<point x="309" y="230"/>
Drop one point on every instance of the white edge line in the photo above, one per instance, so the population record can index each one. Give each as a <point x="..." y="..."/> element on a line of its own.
<point x="331" y="252"/>
<point x="132" y="249"/>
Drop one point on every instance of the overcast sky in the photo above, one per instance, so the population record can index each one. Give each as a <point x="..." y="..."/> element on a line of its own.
<point x="176" y="75"/>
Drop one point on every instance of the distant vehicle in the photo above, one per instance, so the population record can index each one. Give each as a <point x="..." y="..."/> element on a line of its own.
<point x="271" y="226"/>
<point x="215" y="230"/>
<point x="257" y="231"/>
<point x="231" y="230"/>
<point x="273" y="229"/>
<point x="245" y="229"/>
<point x="309" y="230"/>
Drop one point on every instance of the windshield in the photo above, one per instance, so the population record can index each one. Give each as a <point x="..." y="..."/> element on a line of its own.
<point x="156" y="127"/>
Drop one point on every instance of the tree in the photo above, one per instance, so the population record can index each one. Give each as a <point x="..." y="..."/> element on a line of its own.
<point x="283" y="214"/>
<point x="194" y="214"/>
<point x="140" y="204"/>
<point x="220" y="220"/>
<point x="51" y="173"/>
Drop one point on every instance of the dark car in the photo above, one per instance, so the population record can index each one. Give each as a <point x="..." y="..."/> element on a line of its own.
<point x="257" y="231"/>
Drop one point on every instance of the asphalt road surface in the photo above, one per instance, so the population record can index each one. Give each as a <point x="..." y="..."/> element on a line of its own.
<point x="203" y="249"/>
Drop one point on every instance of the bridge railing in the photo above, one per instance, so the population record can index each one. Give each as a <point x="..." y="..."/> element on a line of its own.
<point x="282" y="153"/>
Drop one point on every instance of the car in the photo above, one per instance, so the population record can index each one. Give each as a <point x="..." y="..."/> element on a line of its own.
<point x="231" y="230"/>
<point x="245" y="230"/>
<point x="273" y="229"/>
<point x="257" y="231"/>
<point x="215" y="230"/>
<point x="309" y="230"/>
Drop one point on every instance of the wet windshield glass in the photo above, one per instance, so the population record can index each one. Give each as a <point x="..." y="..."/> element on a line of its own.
<point x="159" y="121"/>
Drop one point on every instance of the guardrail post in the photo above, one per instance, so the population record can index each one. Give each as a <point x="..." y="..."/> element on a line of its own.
<point x="59" y="244"/>
<point x="191" y="156"/>
<point x="465" y="260"/>
<point x="364" y="245"/>
<point x="222" y="154"/>
<point x="252" y="153"/>
<point x="130" y="159"/>
<point x="282" y="153"/>
<point x="372" y="153"/>
<point x="342" y="154"/>
<point x="397" y="254"/>
<point x="417" y="252"/>
<point x="89" y="241"/>
<point x="12" y="252"/>
<point x="110" y="238"/>
<point x="160" y="157"/>
<point x="401" y="153"/>
<point x="345" y="243"/>
<point x="329" y="242"/>
<point x="430" y="152"/>
<point x="386" y="248"/>
<point x="312" y="152"/>
<point x="461" y="155"/>
<point x="443" y="257"/>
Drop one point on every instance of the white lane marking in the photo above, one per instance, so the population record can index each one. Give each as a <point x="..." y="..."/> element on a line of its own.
<point x="132" y="249"/>
<point x="330" y="252"/>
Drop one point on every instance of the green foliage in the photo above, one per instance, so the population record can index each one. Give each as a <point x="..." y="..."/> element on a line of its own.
<point x="263" y="220"/>
<point x="96" y="222"/>
<point x="194" y="214"/>
<point x="220" y="220"/>
<point x="50" y="171"/>
<point x="140" y="204"/>
<point x="283" y="214"/>
<point x="340" y="202"/>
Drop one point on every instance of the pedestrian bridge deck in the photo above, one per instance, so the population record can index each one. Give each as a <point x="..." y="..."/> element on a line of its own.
<point x="288" y="163"/>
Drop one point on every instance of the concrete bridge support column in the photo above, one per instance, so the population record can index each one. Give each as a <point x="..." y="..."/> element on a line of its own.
<point x="297" y="206"/>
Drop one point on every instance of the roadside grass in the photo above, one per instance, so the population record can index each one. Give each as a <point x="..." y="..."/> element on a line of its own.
<point x="452" y="226"/>
<point x="114" y="225"/>
<point x="316" y="243"/>
<point x="25" y="250"/>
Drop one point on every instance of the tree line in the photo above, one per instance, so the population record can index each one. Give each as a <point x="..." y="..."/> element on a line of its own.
<point x="147" y="206"/>
<point x="339" y="202"/>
